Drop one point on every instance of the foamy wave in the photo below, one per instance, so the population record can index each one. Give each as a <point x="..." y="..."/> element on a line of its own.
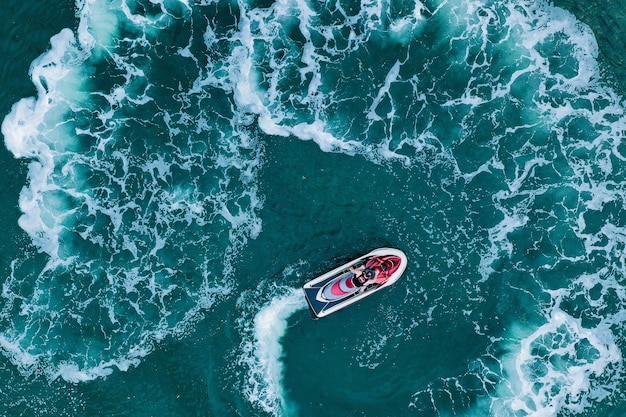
<point x="260" y="78"/>
<point x="262" y="350"/>
<point x="137" y="207"/>
<point x="559" y="368"/>
<point x="33" y="129"/>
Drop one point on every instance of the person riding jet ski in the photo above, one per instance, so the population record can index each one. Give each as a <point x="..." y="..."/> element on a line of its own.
<point x="374" y="272"/>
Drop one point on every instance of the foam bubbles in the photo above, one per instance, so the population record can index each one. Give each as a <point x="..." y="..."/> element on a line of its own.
<point x="33" y="130"/>
<point x="559" y="367"/>
<point x="145" y="144"/>
<point x="262" y="350"/>
<point x="137" y="211"/>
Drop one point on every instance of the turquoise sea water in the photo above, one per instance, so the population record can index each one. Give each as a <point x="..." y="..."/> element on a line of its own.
<point x="174" y="171"/>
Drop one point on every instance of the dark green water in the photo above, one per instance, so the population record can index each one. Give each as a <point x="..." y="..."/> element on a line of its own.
<point x="184" y="168"/>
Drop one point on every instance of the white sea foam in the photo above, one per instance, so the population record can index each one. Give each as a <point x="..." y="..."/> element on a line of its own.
<point x="500" y="245"/>
<point x="265" y="26"/>
<point x="308" y="114"/>
<point x="31" y="128"/>
<point x="262" y="351"/>
<point x="383" y="92"/>
<point x="403" y="28"/>
<point x="557" y="369"/>
<point x="110" y="220"/>
<point x="98" y="24"/>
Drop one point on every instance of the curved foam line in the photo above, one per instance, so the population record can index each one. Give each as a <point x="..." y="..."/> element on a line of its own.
<point x="270" y="325"/>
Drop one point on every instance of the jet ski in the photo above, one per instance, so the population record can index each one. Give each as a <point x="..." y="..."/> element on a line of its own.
<point x="354" y="281"/>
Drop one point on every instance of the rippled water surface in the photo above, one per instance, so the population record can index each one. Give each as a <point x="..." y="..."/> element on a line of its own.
<point x="174" y="171"/>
